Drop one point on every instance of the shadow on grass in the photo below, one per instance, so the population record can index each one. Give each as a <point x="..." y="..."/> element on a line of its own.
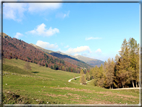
<point x="35" y="72"/>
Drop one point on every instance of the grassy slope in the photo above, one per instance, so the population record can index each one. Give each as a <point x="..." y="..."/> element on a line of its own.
<point x="42" y="85"/>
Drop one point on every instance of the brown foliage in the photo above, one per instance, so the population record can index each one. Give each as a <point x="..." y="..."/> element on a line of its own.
<point x="18" y="49"/>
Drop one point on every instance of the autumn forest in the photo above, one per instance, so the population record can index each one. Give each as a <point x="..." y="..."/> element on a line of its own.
<point x="123" y="71"/>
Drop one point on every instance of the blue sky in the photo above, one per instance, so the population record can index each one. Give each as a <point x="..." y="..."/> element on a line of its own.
<point x="95" y="30"/>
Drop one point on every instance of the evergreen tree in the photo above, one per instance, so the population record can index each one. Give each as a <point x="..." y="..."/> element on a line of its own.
<point x="134" y="48"/>
<point x="96" y="75"/>
<point x="46" y="65"/>
<point x="117" y="58"/>
<point x="82" y="77"/>
<point x="91" y="73"/>
<point x="137" y="65"/>
<point x="109" y="73"/>
<point x="87" y="76"/>
<point x="124" y="73"/>
<point x="51" y="67"/>
<point x="101" y="76"/>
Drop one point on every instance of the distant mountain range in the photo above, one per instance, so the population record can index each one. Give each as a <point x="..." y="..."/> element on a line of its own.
<point x="90" y="61"/>
<point x="65" y="57"/>
<point x="79" y="60"/>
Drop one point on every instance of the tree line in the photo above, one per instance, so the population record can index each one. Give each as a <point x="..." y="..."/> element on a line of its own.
<point x="123" y="71"/>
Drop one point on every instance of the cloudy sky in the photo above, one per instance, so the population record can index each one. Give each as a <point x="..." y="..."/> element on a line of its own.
<point x="95" y="30"/>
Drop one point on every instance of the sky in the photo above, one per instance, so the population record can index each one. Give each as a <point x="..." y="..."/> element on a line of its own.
<point x="94" y="30"/>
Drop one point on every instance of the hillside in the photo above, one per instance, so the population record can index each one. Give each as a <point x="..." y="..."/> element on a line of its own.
<point x="43" y="85"/>
<point x="90" y="61"/>
<point x="65" y="57"/>
<point x="18" y="49"/>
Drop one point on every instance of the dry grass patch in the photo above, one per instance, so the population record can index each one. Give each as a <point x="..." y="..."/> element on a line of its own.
<point x="73" y="89"/>
<point x="54" y="95"/>
<point x="76" y="96"/>
<point x="98" y="102"/>
<point x="115" y="94"/>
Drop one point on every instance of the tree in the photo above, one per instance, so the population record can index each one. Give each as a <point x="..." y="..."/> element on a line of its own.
<point x="137" y="65"/>
<point x="100" y="76"/>
<point x="117" y="58"/>
<point x="27" y="66"/>
<point x="134" y="59"/>
<point x="46" y="65"/>
<point x="124" y="64"/>
<point x="51" y="67"/>
<point x="91" y="73"/>
<point x="56" y="67"/>
<point x="95" y="75"/>
<point x="109" y="73"/>
<point x="82" y="77"/>
<point x="87" y="76"/>
<point x="63" y="68"/>
<point x="69" y="69"/>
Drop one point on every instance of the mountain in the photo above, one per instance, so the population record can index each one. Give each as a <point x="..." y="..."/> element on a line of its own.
<point x="90" y="61"/>
<point x="18" y="49"/>
<point x="45" y="50"/>
<point x="66" y="57"/>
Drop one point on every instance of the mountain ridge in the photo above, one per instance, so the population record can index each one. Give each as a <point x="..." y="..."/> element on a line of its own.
<point x="90" y="61"/>
<point x="65" y="57"/>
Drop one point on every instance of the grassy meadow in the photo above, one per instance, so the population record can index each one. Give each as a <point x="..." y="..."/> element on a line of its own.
<point x="43" y="85"/>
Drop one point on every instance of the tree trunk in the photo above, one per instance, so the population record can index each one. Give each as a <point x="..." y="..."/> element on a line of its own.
<point x="133" y="83"/>
<point x="136" y="84"/>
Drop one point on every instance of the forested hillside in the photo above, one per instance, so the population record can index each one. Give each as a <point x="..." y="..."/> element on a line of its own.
<point x="65" y="57"/>
<point x="123" y="71"/>
<point x="18" y="49"/>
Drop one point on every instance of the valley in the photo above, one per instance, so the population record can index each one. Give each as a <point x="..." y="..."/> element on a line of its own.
<point x="33" y="75"/>
<point x="42" y="85"/>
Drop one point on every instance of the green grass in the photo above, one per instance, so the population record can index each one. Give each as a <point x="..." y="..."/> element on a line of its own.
<point x="44" y="85"/>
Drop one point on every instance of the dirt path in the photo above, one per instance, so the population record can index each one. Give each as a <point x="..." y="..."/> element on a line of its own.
<point x="72" y="79"/>
<point x="78" y="77"/>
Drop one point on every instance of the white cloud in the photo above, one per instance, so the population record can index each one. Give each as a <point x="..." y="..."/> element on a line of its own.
<point x="98" y="51"/>
<point x="18" y="35"/>
<point x="66" y="46"/>
<point x="90" y="38"/>
<point x="41" y="30"/>
<point x="78" y="49"/>
<point x="14" y="11"/>
<point x="76" y="54"/>
<point x="46" y="45"/>
<point x="37" y="7"/>
<point x="63" y="15"/>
